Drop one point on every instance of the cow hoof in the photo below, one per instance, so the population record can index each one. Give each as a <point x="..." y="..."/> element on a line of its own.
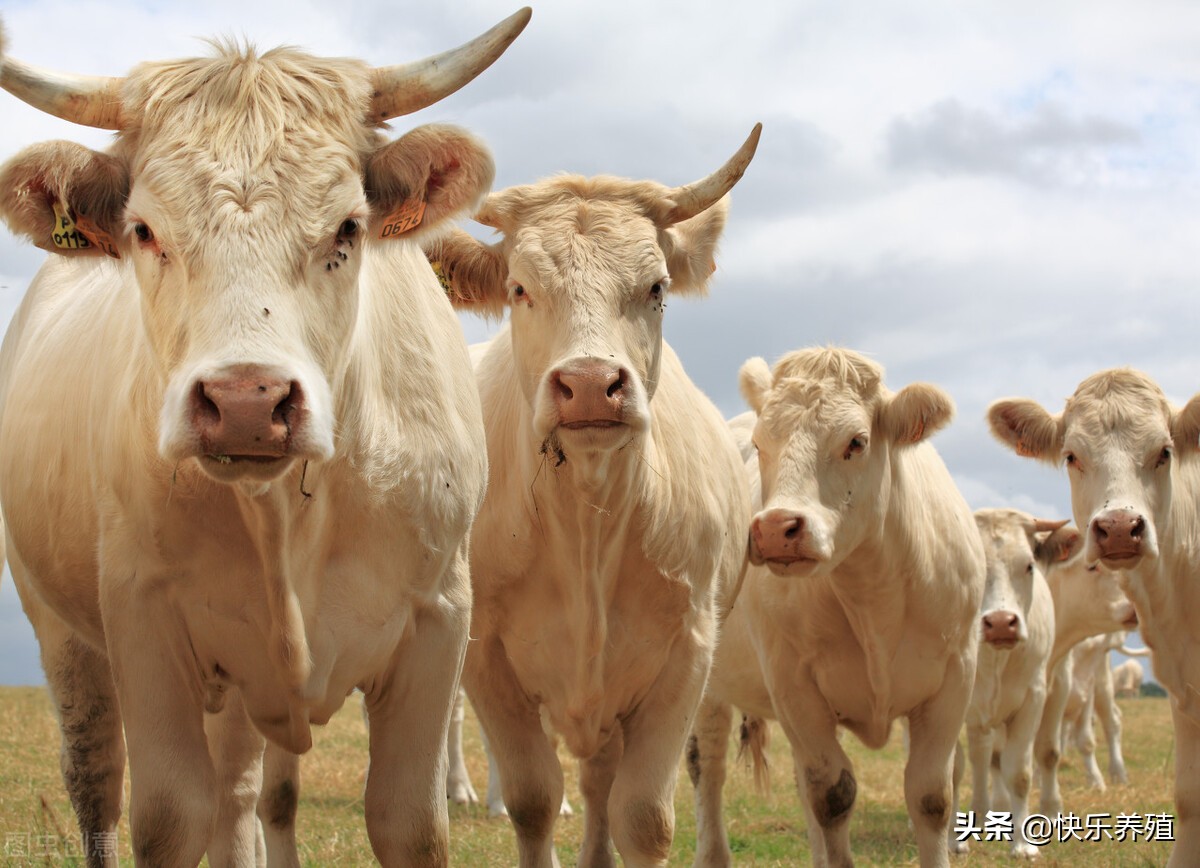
<point x="497" y="809"/>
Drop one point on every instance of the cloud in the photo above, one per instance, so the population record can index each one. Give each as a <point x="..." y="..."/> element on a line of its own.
<point x="1046" y="146"/>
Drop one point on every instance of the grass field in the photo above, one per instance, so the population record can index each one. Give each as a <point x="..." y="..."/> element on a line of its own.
<point x="37" y="826"/>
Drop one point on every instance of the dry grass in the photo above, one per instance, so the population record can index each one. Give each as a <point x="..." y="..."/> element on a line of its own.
<point x="767" y="831"/>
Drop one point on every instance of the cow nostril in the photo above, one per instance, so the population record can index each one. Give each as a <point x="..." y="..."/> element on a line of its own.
<point x="206" y="407"/>
<point x="987" y="622"/>
<point x="282" y="410"/>
<point x="617" y="385"/>
<point x="564" y="391"/>
<point x="1098" y="531"/>
<point x="1139" y="527"/>
<point x="1013" y="621"/>
<point x="794" y="528"/>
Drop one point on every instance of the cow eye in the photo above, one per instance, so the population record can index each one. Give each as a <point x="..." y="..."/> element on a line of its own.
<point x="1071" y="460"/>
<point x="1029" y="568"/>
<point x="656" y="290"/>
<point x="143" y="233"/>
<point x="854" y="447"/>
<point x="349" y="229"/>
<point x="1163" y="457"/>
<point x="518" y="291"/>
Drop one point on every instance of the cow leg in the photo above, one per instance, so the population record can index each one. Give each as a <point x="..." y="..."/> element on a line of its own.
<point x="979" y="749"/>
<point x="495" y="791"/>
<point x="1187" y="789"/>
<point x="1110" y="719"/>
<point x="953" y="844"/>
<point x="1047" y="743"/>
<point x="934" y="728"/>
<point x="236" y="748"/>
<point x="458" y="781"/>
<point x="642" y="803"/>
<point x="596" y="775"/>
<point x="92" y="754"/>
<point x="408" y="715"/>
<point x="824" y="775"/>
<point x="530" y="774"/>
<point x="1085" y="743"/>
<point x="1016" y="767"/>
<point x="707" y="752"/>
<point x="173" y="787"/>
<point x="277" y="806"/>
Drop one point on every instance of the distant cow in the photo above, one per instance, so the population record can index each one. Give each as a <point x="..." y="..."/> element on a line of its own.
<point x="1135" y="489"/>
<point x="1088" y="601"/>
<point x="1127" y="679"/>
<point x="613" y="534"/>
<point x="863" y="603"/>
<point x="1016" y="635"/>
<point x="240" y="443"/>
<point x="1092" y="695"/>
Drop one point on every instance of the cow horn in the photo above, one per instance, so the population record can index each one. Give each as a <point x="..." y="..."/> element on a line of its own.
<point x="408" y="87"/>
<point x="91" y="100"/>
<point x="1041" y="525"/>
<point x="691" y="199"/>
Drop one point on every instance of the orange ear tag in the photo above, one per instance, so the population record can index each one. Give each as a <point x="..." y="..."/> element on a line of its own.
<point x="404" y="219"/>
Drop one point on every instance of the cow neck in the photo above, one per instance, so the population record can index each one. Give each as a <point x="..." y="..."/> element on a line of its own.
<point x="586" y="508"/>
<point x="269" y="515"/>
<point x="869" y="625"/>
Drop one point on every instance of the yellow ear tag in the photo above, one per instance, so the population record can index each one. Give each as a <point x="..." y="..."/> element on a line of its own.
<point x="404" y="219"/>
<point x="66" y="234"/>
<point x="80" y="233"/>
<point x="440" y="273"/>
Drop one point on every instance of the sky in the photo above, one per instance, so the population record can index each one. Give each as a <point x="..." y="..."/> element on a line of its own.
<point x="997" y="197"/>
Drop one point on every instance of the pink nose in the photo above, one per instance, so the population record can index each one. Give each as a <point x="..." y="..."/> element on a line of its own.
<point x="246" y="413"/>
<point x="780" y="535"/>
<point x="1002" y="628"/>
<point x="589" y="394"/>
<point x="1118" y="533"/>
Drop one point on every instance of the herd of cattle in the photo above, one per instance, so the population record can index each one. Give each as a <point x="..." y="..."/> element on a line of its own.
<point x="248" y="464"/>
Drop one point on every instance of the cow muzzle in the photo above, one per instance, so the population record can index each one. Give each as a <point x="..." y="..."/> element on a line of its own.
<point x="1001" y="628"/>
<point x="1117" y="537"/>
<point x="589" y="394"/>
<point x="783" y="540"/>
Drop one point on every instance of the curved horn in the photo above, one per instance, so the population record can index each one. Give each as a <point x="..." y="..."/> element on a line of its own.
<point x="693" y="198"/>
<point x="408" y="87"/>
<point x="1134" y="652"/>
<point x="1041" y="525"/>
<point x="91" y="100"/>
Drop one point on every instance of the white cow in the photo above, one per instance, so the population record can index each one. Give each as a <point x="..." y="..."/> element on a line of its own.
<point x="1127" y="679"/>
<point x="613" y="534"/>
<point x="242" y="451"/>
<point x="1092" y="695"/>
<point x="1088" y="601"/>
<point x="863" y="601"/>
<point x="1016" y="635"/>
<point x="1135" y="490"/>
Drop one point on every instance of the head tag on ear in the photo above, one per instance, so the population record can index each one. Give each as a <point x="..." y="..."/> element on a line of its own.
<point x="440" y="273"/>
<point x="405" y="218"/>
<point x="80" y="233"/>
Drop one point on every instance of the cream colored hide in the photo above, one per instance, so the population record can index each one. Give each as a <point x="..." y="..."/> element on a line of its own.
<point x="1088" y="601"/>
<point x="613" y="534"/>
<point x="241" y="453"/>
<point x="1135" y="488"/>
<point x="1092" y="695"/>
<point x="1016" y="635"/>
<point x="864" y="602"/>
<point x="1127" y="679"/>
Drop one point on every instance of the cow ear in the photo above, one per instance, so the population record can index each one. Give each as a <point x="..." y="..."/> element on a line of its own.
<point x="1026" y="428"/>
<point x="66" y="198"/>
<point x="1185" y="426"/>
<point x="915" y="412"/>
<point x="754" y="380"/>
<point x="428" y="176"/>
<point x="691" y="249"/>
<point x="472" y="273"/>
<point x="1058" y="546"/>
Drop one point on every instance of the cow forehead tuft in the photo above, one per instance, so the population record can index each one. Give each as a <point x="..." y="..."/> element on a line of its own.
<point x="1122" y="400"/>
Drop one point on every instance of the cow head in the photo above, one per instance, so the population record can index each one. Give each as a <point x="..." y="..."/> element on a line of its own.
<point x="825" y="433"/>
<point x="1088" y="600"/>
<point x="586" y="266"/>
<point x="1119" y="438"/>
<point x="244" y="193"/>
<point x="1018" y="549"/>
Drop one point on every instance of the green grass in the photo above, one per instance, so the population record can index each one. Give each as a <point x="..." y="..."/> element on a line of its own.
<point x="763" y="830"/>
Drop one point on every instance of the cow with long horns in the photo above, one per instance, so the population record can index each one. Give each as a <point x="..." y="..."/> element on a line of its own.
<point x="240" y="441"/>
<point x="614" y="529"/>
